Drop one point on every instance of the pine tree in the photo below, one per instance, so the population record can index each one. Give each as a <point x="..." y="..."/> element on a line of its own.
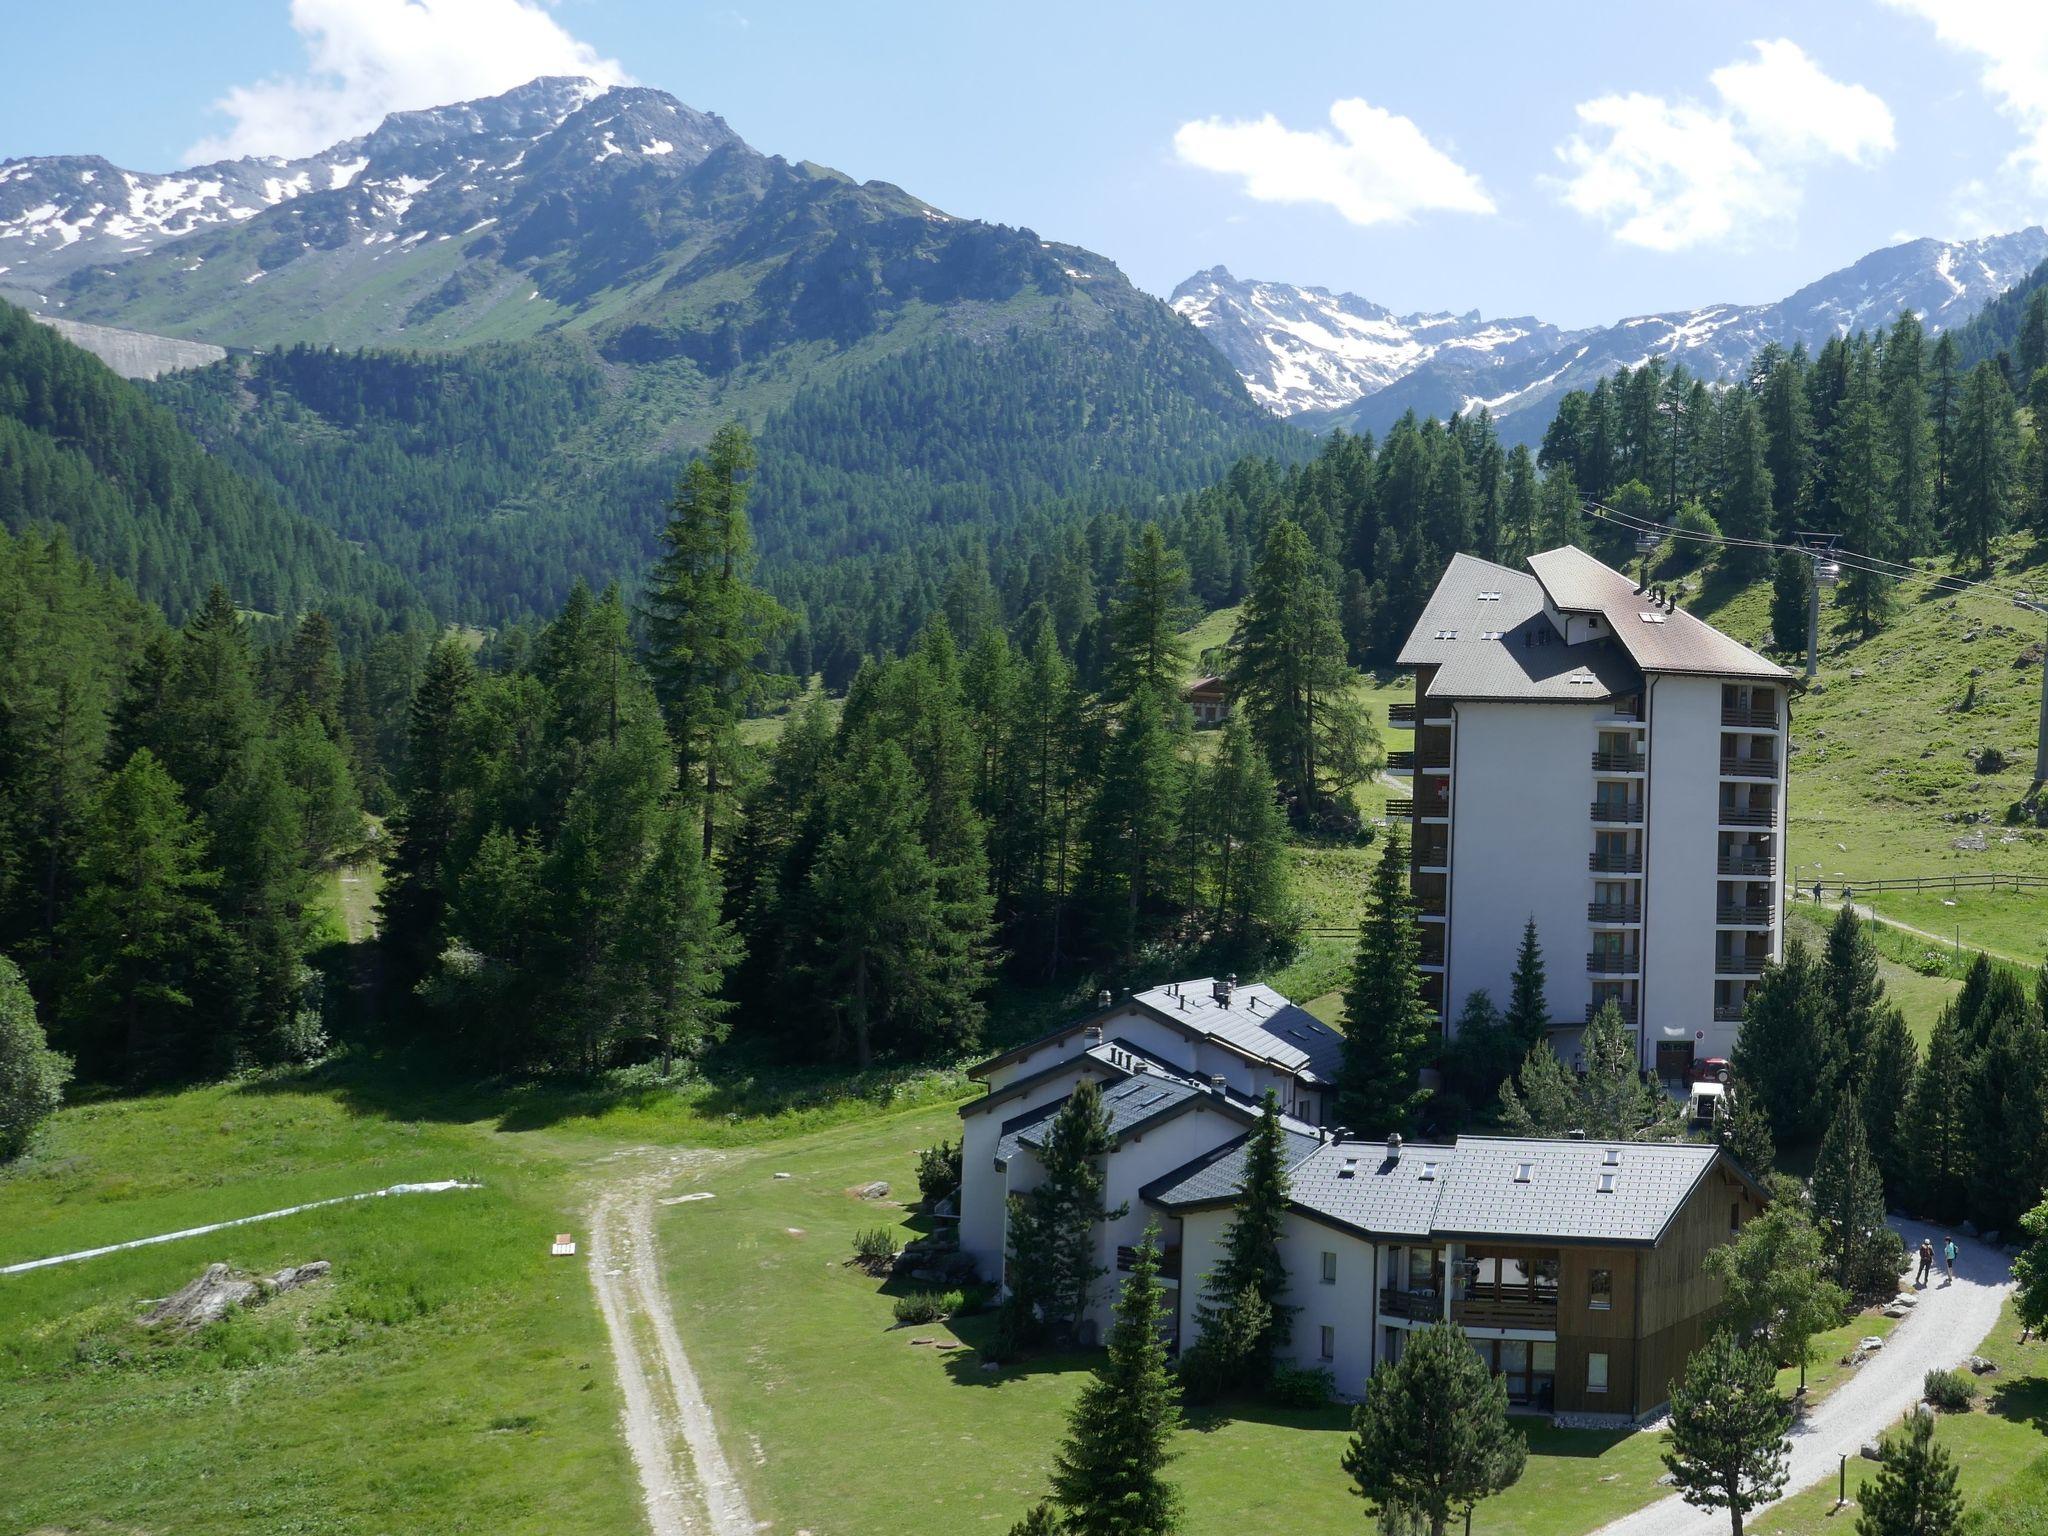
<point x="418" y="873"/>
<point x="1152" y="607"/>
<point x="1909" y="449"/>
<point x="1135" y="823"/>
<point x="1290" y="678"/>
<point x="1432" y="1434"/>
<point x="1782" y="1048"/>
<point x="1774" y="1284"/>
<point x="1744" y="507"/>
<point x="1887" y="1089"/>
<point x="1070" y="1212"/>
<point x="1611" y="1100"/>
<point x="1727" y="1437"/>
<point x="1387" y="1025"/>
<point x="1859" y="472"/>
<point x="1519" y="512"/>
<point x="1044" y="813"/>
<point x="1562" y="523"/>
<point x="1981" y="478"/>
<point x="2030" y="1273"/>
<point x="1746" y="1131"/>
<point x="1528" y="1017"/>
<point x="1109" y="1476"/>
<point x="142" y="943"/>
<point x="1243" y="835"/>
<point x="1251" y="1265"/>
<point x="1788" y="439"/>
<point x="674" y="947"/>
<point x="1848" y="1206"/>
<point x="1791" y="592"/>
<point x="2009" y="1102"/>
<point x="1944" y="396"/>
<point x="707" y="622"/>
<point x="1914" y="1492"/>
<point x="32" y="1076"/>
<point x="1940" y="1148"/>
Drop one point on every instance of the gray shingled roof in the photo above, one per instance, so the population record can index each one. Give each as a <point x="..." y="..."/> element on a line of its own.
<point x="1257" y="1020"/>
<point x="1475" y="1193"/>
<point x="1561" y="1199"/>
<point x="1661" y="642"/>
<point x="1132" y="1103"/>
<point x="1219" y="1174"/>
<point x="1501" y="647"/>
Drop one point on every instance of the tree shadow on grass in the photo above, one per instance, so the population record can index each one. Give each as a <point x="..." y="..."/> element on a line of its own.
<point x="1207" y="1418"/>
<point x="2024" y="1399"/>
<point x="967" y="1367"/>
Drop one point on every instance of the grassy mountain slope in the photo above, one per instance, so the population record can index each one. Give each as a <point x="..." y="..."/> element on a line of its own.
<point x="85" y="449"/>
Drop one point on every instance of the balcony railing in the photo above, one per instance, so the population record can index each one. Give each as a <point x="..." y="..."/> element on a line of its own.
<point x="1745" y="864"/>
<point x="1417" y="1306"/>
<point x="1628" y="1011"/>
<point x="1749" y="767"/>
<point x="1728" y="1013"/>
<point x="1400" y="761"/>
<point x="1615" y="810"/>
<point x="1747" y="815"/>
<point x="1401" y="808"/>
<point x="1740" y="965"/>
<point x="1754" y="715"/>
<point x="1432" y="855"/>
<point x="1401" y="716"/>
<point x="1615" y="863"/>
<point x="1614" y="911"/>
<point x="1430" y="904"/>
<point x="1613" y="965"/>
<point x="1618" y="762"/>
<point x="1739" y="915"/>
<point x="1504" y="1312"/>
<point x="1433" y="762"/>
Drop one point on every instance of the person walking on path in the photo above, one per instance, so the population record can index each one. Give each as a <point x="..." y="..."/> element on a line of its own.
<point x="1948" y="1254"/>
<point x="1926" y="1263"/>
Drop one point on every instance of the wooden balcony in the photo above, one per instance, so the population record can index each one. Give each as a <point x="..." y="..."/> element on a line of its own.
<point x="1749" y="767"/>
<point x="1619" y="762"/>
<point x="1747" y="815"/>
<point x="1615" y="863"/>
<point x="1400" y="809"/>
<point x="1401" y="716"/>
<point x="1728" y="1013"/>
<point x="1598" y="964"/>
<point x="1505" y="1312"/>
<point x="1740" y="965"/>
<point x="1736" y="915"/>
<point x="1628" y="1011"/>
<point x="1614" y="911"/>
<point x="1417" y="1306"/>
<point x="1755" y="717"/>
<point x="1745" y="864"/>
<point x="1400" y="762"/>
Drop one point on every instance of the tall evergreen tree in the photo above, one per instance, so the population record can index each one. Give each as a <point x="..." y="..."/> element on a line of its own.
<point x="2009" y="1103"/>
<point x="707" y="623"/>
<point x="1944" y="399"/>
<point x="1940" y="1146"/>
<point x="1783" y="1047"/>
<point x="1859" y="471"/>
<point x="1151" y="608"/>
<point x="1134" y="824"/>
<point x="1244" y="850"/>
<point x="1791" y="592"/>
<point x="1909" y="446"/>
<point x="1528" y="1016"/>
<point x="1848" y="1206"/>
<point x="1109" y="1476"/>
<point x="418" y="873"/>
<point x="1744" y="507"/>
<point x="1290" y="678"/>
<point x="1981" y="477"/>
<point x="1611" y="1100"/>
<point x="32" y="1076"/>
<point x="1788" y="439"/>
<point x="1251" y="1265"/>
<point x="674" y="947"/>
<point x="1519" y="513"/>
<point x="1387" y="1024"/>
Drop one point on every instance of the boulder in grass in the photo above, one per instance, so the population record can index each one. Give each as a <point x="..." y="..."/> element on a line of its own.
<point x="218" y="1290"/>
<point x="1977" y="1365"/>
<point x="876" y="1190"/>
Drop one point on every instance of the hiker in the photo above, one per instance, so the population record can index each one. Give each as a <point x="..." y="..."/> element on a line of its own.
<point x="1948" y="1254"/>
<point x="1816" y="893"/>
<point x="1926" y="1263"/>
<point x="1849" y="896"/>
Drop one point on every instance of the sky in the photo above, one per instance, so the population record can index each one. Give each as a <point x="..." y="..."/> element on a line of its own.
<point x="1579" y="162"/>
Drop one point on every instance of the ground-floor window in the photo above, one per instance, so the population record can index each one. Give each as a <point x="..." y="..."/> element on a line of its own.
<point x="1329" y="1342"/>
<point x="1596" y="1373"/>
<point x="1528" y="1366"/>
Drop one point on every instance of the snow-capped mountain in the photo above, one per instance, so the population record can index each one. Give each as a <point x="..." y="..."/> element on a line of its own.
<point x="1308" y="349"/>
<point x="1297" y="348"/>
<point x="60" y="213"/>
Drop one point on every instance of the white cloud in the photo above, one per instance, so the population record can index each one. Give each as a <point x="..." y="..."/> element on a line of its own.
<point x="2011" y="39"/>
<point x="1377" y="168"/>
<point x="1667" y="175"/>
<point x="365" y="58"/>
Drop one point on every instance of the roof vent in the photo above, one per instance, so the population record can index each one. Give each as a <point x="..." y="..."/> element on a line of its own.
<point x="1093" y="1034"/>
<point x="1102" y="998"/>
<point x="1394" y="1145"/>
<point x="1183" y="1001"/>
<point x="1575" y="1135"/>
<point x="1221" y="989"/>
<point x="1216" y="1084"/>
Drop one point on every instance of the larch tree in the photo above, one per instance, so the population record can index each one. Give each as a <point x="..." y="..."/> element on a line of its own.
<point x="1944" y="399"/>
<point x="1387" y="1024"/>
<point x="1243" y="836"/>
<point x="1982" y="481"/>
<point x="430" y="815"/>
<point x="707" y="622"/>
<point x="1432" y="1435"/>
<point x="1909" y="443"/>
<point x="1727" y="1439"/>
<point x="1791" y="592"/>
<point x="1290" y="677"/>
<point x="674" y="946"/>
<point x="1861" y="473"/>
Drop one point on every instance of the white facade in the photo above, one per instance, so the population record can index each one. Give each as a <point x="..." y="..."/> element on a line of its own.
<point x="1342" y="1304"/>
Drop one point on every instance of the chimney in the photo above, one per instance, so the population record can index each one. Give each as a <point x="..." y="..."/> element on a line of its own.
<point x="1394" y="1146"/>
<point x="1575" y="1135"/>
<point x="1216" y="1084"/>
<point x="1102" y="998"/>
<point x="1093" y="1034"/>
<point x="1221" y="989"/>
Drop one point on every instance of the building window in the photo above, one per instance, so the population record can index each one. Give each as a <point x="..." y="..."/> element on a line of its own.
<point x="1329" y="1342"/>
<point x="1600" y="1289"/>
<point x="1734" y="1218"/>
<point x="1329" y="1269"/>
<point x="1596" y="1373"/>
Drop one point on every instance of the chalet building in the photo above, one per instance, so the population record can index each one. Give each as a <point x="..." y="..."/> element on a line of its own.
<point x="1592" y="756"/>
<point x="1574" y="1267"/>
<point x="1182" y="1068"/>
<point x="1209" y="698"/>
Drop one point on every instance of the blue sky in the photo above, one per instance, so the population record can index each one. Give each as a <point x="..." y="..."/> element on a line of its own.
<point x="1576" y="161"/>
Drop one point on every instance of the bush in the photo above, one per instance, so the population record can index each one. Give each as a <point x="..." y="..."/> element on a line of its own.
<point x="32" y="1076"/>
<point x="938" y="1172"/>
<point x="1686" y="554"/>
<point x="929" y="1306"/>
<point x="1294" y="1387"/>
<point x="1950" y="1391"/>
<point x="874" y="1250"/>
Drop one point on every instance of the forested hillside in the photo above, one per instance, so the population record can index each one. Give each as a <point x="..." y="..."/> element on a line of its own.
<point x="86" y="451"/>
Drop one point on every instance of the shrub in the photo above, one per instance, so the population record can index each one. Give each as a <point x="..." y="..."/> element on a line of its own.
<point x="874" y="1250"/>
<point x="32" y="1076"/>
<point x="929" y="1306"/>
<point x="1992" y="760"/>
<point x="1950" y="1391"/>
<point x="938" y="1172"/>
<point x="1294" y="1387"/>
<point x="1689" y="553"/>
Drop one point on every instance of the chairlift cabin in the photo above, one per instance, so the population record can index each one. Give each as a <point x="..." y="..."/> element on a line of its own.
<point x="1647" y="542"/>
<point x="1827" y="573"/>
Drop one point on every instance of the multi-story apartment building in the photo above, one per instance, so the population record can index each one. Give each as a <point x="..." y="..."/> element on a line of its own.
<point x="1597" y="759"/>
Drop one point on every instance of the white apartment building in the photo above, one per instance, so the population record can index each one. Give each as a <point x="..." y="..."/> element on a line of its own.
<point x="1611" y="766"/>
